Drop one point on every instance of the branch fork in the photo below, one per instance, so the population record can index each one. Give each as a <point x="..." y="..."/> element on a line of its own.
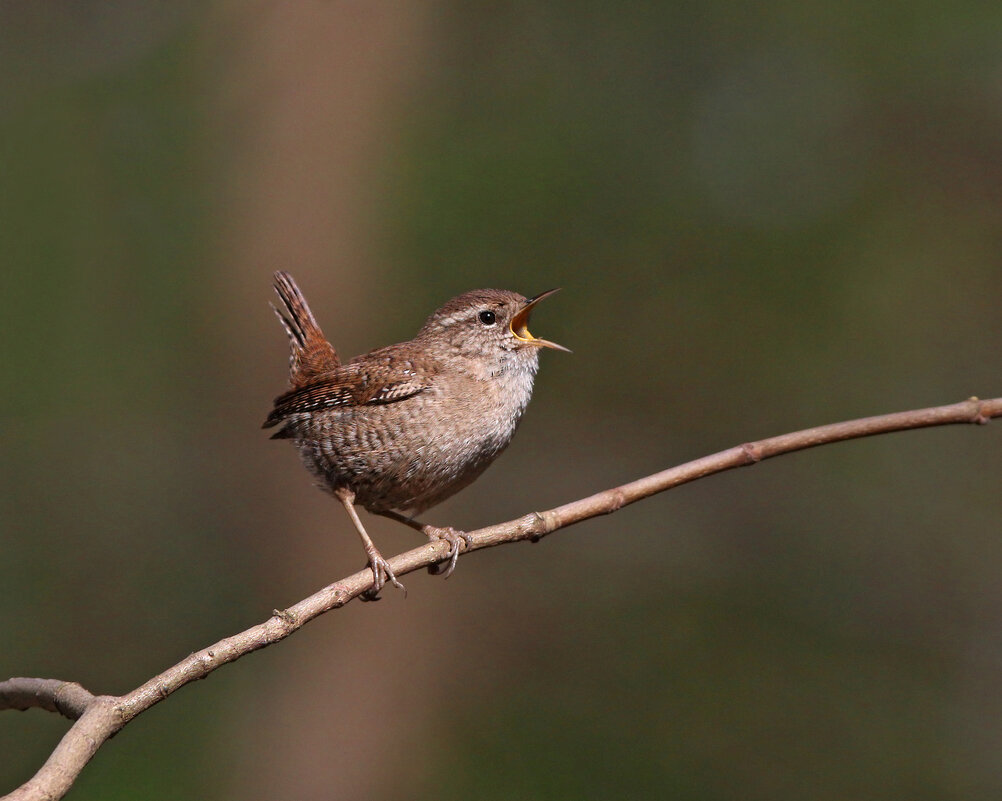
<point x="98" y="717"/>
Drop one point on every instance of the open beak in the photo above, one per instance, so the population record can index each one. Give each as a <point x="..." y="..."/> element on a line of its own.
<point x="520" y="324"/>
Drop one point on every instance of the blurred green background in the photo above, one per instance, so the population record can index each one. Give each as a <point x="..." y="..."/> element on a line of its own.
<point x="764" y="217"/>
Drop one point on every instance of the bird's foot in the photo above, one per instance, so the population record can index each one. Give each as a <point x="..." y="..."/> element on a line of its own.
<point x="453" y="537"/>
<point x="381" y="572"/>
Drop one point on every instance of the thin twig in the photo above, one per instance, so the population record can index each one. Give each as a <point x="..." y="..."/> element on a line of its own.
<point x="98" y="717"/>
<point x="66" y="698"/>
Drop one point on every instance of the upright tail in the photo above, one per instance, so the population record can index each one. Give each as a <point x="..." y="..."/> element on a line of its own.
<point x="311" y="353"/>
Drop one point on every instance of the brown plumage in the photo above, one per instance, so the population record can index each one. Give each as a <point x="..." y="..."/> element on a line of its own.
<point x="311" y="354"/>
<point x="406" y="426"/>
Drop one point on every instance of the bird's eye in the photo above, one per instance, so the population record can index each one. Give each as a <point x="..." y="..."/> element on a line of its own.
<point x="487" y="317"/>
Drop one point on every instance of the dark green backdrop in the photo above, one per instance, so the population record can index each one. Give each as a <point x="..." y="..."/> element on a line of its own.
<point x="763" y="217"/>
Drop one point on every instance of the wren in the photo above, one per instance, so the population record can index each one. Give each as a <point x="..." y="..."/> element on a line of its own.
<point x="401" y="428"/>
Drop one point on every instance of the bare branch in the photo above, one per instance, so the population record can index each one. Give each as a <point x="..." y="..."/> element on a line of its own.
<point x="102" y="716"/>
<point x="54" y="779"/>
<point x="66" y="698"/>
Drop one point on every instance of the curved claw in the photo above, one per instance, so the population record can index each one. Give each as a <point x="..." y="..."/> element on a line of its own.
<point x="381" y="572"/>
<point x="453" y="537"/>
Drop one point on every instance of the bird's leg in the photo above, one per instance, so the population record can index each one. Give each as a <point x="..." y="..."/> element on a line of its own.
<point x="381" y="570"/>
<point x="449" y="534"/>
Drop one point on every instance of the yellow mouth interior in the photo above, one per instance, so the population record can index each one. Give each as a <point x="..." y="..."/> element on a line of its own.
<point x="520" y="326"/>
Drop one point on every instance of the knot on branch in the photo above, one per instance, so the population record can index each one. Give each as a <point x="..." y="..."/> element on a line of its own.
<point x="752" y="452"/>
<point x="535" y="525"/>
<point x="979" y="417"/>
<point x="341" y="597"/>
<point x="617" y="500"/>
<point x="286" y="616"/>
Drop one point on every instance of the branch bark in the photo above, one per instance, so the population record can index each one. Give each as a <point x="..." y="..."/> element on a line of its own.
<point x="99" y="717"/>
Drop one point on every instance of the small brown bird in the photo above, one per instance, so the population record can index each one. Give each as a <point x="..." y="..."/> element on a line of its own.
<point x="404" y="427"/>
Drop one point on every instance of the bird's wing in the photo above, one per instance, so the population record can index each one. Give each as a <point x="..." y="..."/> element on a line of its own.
<point x="375" y="380"/>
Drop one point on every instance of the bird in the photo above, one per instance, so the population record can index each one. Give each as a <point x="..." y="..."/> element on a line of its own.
<point x="401" y="428"/>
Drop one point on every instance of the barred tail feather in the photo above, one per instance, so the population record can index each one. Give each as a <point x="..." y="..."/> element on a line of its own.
<point x="311" y="353"/>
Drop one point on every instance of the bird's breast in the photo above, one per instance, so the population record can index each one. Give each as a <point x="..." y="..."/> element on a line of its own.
<point x="416" y="452"/>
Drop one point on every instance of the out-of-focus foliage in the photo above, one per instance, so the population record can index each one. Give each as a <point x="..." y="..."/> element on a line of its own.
<point x="763" y="217"/>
